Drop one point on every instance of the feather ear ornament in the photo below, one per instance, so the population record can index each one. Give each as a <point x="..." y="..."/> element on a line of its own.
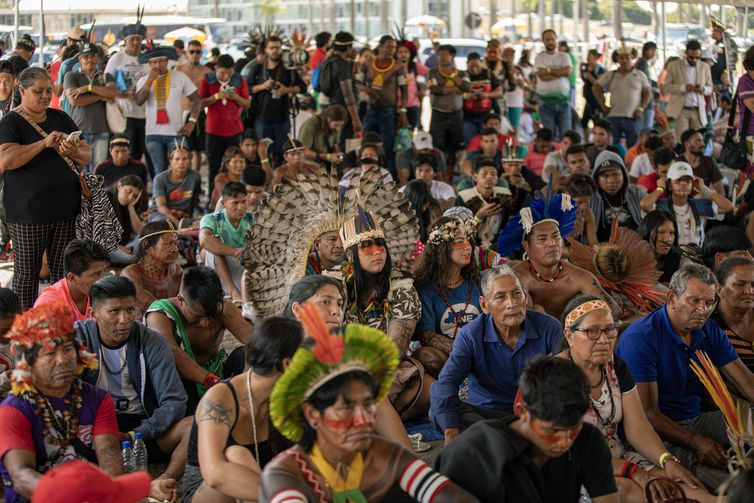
<point x="329" y="346"/>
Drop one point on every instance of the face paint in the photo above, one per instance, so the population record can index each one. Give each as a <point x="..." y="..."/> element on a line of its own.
<point x="461" y="246"/>
<point x="344" y="424"/>
<point x="372" y="249"/>
<point x="566" y="435"/>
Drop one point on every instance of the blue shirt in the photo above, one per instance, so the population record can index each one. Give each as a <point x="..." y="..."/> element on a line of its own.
<point x="655" y="353"/>
<point x="493" y="368"/>
<point x="438" y="317"/>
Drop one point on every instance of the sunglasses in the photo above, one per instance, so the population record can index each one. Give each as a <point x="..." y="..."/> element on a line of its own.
<point x="195" y="51"/>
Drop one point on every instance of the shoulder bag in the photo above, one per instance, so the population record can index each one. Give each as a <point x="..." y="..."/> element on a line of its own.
<point x="96" y="220"/>
<point x="734" y="152"/>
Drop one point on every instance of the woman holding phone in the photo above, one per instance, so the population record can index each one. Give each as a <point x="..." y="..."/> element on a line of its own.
<point x="40" y="159"/>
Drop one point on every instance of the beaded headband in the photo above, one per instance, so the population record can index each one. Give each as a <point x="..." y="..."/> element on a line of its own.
<point x="172" y="230"/>
<point x="584" y="309"/>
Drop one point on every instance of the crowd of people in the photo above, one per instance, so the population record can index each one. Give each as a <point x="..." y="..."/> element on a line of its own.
<point x="528" y="284"/>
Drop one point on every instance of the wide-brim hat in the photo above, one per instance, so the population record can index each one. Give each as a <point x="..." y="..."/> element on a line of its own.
<point x="158" y="52"/>
<point x="357" y="348"/>
<point x="133" y="29"/>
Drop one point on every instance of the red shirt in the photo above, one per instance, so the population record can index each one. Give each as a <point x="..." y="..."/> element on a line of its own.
<point x="59" y="292"/>
<point x="475" y="143"/>
<point x="54" y="70"/>
<point x="318" y="56"/>
<point x="223" y="119"/>
<point x="649" y="182"/>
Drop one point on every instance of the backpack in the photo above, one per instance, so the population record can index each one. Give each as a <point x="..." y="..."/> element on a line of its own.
<point x="325" y="84"/>
<point x="315" y="78"/>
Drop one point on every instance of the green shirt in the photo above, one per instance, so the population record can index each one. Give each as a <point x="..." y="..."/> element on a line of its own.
<point x="221" y="227"/>
<point x="574" y="69"/>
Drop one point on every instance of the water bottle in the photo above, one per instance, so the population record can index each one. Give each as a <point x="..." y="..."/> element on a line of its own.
<point x="120" y="81"/>
<point x="128" y="456"/>
<point x="139" y="452"/>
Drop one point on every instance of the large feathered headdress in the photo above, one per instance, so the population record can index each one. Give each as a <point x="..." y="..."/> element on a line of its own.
<point x="631" y="267"/>
<point x="302" y="209"/>
<point x="45" y="325"/>
<point x="358" y="348"/>
<point x="556" y="208"/>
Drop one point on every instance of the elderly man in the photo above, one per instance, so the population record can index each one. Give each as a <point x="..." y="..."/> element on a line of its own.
<point x="659" y="348"/>
<point x="194" y="323"/>
<point x="550" y="281"/>
<point x="629" y="97"/>
<point x="327" y="253"/>
<point x="688" y="81"/>
<point x="51" y="416"/>
<point x="137" y="369"/>
<point x="162" y="92"/>
<point x="491" y="352"/>
<point x="157" y="274"/>
<point x="616" y="197"/>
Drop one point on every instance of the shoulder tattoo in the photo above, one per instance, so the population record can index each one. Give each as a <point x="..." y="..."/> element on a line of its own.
<point x="217" y="413"/>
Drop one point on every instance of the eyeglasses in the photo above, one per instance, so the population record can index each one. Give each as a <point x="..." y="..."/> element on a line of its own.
<point x="195" y="51"/>
<point x="594" y="333"/>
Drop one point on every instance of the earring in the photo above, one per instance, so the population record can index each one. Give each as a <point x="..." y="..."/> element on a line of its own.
<point x="525" y="256"/>
<point x="315" y="424"/>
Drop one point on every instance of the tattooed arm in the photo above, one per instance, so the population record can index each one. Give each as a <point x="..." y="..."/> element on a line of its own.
<point x="215" y="417"/>
<point x="400" y="332"/>
<point x="108" y="454"/>
<point x="593" y="287"/>
<point x="434" y="340"/>
<point x="20" y="464"/>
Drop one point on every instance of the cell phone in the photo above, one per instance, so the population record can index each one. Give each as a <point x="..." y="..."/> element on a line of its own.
<point x="230" y="90"/>
<point x="74" y="136"/>
<point x="267" y="141"/>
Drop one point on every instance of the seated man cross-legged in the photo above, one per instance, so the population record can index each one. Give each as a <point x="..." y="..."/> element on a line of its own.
<point x="136" y="367"/>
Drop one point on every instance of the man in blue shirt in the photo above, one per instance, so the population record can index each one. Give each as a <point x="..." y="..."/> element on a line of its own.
<point x="491" y="351"/>
<point x="658" y="349"/>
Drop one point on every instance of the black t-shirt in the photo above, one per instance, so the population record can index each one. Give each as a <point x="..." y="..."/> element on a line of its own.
<point x="45" y="190"/>
<point x="479" y="82"/>
<point x="121" y="212"/>
<point x="271" y="110"/>
<point x="623" y="373"/>
<point x="340" y="70"/>
<point x="492" y="462"/>
<point x="112" y="173"/>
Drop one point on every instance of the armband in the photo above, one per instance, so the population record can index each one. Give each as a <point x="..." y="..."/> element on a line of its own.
<point x="192" y="120"/>
<point x="210" y="380"/>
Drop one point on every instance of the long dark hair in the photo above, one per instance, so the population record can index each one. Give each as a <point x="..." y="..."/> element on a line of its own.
<point x="306" y="288"/>
<point x="648" y="232"/>
<point x="419" y="195"/>
<point x="362" y="279"/>
<point x="434" y="261"/>
<point x="132" y="181"/>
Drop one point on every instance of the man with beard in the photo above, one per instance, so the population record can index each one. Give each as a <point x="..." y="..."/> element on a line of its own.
<point x="381" y="81"/>
<point x="658" y="350"/>
<point x="507" y="336"/>
<point x="688" y="81"/>
<point x="616" y="197"/>
<point x="549" y="281"/>
<point x="704" y="166"/>
<point x="194" y="324"/>
<point x="137" y="369"/>
<point x="195" y="70"/>
<point x="327" y="254"/>
<point x="157" y="274"/>
<point x="272" y="86"/>
<point x="553" y="86"/>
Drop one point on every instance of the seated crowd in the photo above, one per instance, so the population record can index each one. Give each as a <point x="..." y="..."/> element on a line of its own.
<point x="539" y="302"/>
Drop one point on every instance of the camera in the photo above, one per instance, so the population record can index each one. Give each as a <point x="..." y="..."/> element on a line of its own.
<point x="295" y="58"/>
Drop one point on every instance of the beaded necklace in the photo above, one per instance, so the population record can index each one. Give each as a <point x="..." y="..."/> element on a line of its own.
<point x="379" y="73"/>
<point x="458" y="317"/>
<point x="69" y="427"/>
<point x="603" y="421"/>
<point x="151" y="270"/>
<point x="539" y="276"/>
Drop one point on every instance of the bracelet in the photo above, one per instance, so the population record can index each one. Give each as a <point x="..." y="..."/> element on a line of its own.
<point x="665" y="457"/>
<point x="132" y="434"/>
<point x="89" y="88"/>
<point x="640" y="109"/>
<point x="217" y="98"/>
<point x="659" y="189"/>
<point x="317" y="157"/>
<point x="192" y="120"/>
<point x="628" y="469"/>
<point x="265" y="161"/>
<point x="632" y="471"/>
<point x="707" y="192"/>
<point x="549" y="70"/>
<point x="210" y="380"/>
<point x="402" y="110"/>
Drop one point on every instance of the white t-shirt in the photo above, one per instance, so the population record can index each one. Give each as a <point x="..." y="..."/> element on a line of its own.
<point x="133" y="71"/>
<point x="641" y="166"/>
<point x="688" y="231"/>
<point x="558" y="89"/>
<point x="556" y="159"/>
<point x="180" y="86"/>
<point x="439" y="190"/>
<point x="515" y="98"/>
<point x="692" y="99"/>
<point x="114" y="378"/>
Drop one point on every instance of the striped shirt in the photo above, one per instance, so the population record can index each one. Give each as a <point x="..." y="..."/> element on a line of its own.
<point x="744" y="348"/>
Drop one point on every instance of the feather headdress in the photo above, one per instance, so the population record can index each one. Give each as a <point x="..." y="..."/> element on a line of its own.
<point x="357" y="348"/>
<point x="136" y="28"/>
<point x="44" y="325"/>
<point x="302" y="209"/>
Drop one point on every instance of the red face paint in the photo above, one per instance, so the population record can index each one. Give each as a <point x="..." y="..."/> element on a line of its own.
<point x="567" y="436"/>
<point x="461" y="246"/>
<point x="343" y="424"/>
<point x="372" y="249"/>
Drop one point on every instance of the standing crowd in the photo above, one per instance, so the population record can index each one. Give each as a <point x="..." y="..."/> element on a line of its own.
<point x="548" y="293"/>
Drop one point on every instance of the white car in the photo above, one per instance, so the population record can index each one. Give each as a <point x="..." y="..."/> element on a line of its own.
<point x="464" y="46"/>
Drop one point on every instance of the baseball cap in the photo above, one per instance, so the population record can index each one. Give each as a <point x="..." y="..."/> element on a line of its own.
<point x="422" y="140"/>
<point x="607" y="160"/>
<point x="81" y="481"/>
<point x="680" y="169"/>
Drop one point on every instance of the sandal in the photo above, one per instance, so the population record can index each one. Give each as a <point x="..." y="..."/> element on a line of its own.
<point x="417" y="444"/>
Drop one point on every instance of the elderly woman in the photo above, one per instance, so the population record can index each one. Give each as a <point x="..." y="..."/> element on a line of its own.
<point x="447" y="280"/>
<point x="590" y="334"/>
<point x="232" y="439"/>
<point x="40" y="161"/>
<point x="326" y="403"/>
<point x="326" y="293"/>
